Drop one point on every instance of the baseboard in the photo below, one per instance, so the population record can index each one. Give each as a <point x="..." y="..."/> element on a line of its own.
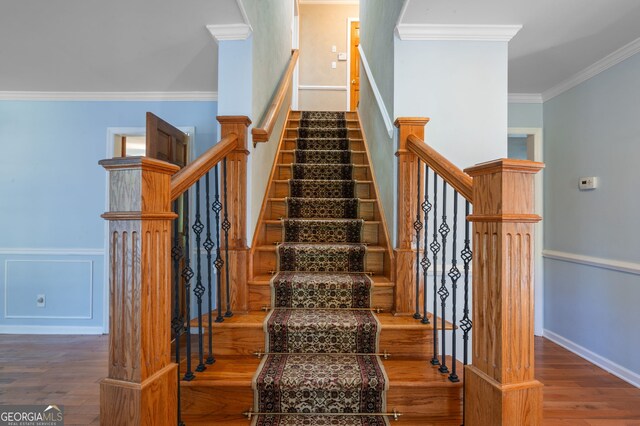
<point x="602" y="362"/>
<point x="49" y="329"/>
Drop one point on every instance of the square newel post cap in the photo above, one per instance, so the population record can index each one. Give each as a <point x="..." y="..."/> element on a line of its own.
<point x="139" y="163"/>
<point x="411" y="121"/>
<point x="504" y="165"/>
<point x="234" y="119"/>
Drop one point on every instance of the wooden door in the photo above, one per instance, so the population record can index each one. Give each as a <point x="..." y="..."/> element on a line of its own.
<point x="355" y="66"/>
<point x="165" y="142"/>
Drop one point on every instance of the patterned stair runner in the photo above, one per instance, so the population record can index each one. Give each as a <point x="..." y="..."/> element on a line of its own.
<point x="321" y="336"/>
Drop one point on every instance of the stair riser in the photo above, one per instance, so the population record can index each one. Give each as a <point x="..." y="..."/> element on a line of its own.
<point x="277" y="210"/>
<point x="295" y="123"/>
<point x="215" y="400"/>
<point x="359" y="173"/>
<point x="351" y="133"/>
<point x="356" y="158"/>
<point x="274" y="233"/>
<point x="296" y="115"/>
<point x="265" y="262"/>
<point x="354" y="145"/>
<point x="281" y="190"/>
<point x="260" y="295"/>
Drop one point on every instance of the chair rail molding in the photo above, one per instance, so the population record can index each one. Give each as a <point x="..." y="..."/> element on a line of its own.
<point x="596" y="262"/>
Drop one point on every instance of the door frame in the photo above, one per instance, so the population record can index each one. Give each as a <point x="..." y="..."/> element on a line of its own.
<point x="349" y="21"/>
<point x="535" y="149"/>
<point x="295" y="44"/>
<point x="110" y="146"/>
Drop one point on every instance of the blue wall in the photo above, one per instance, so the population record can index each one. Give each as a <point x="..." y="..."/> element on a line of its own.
<point x="592" y="130"/>
<point x="525" y="115"/>
<point x="53" y="193"/>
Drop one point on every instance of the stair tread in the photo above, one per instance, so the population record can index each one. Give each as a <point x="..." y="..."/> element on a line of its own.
<point x="362" y="200"/>
<point x="370" y="248"/>
<point x="239" y="371"/>
<point x="279" y="222"/>
<point x="291" y="151"/>
<point x="378" y="280"/>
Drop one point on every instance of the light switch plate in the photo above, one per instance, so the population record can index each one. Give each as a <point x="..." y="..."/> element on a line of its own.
<point x="342" y="56"/>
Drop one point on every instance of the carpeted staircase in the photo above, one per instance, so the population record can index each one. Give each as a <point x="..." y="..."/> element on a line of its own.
<point x="322" y="338"/>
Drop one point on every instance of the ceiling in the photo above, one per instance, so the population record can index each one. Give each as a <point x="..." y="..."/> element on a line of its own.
<point x="120" y="45"/>
<point x="559" y="38"/>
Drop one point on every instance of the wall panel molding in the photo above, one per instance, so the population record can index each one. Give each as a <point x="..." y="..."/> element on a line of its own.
<point x="52" y="251"/>
<point x="49" y="329"/>
<point x="597" y="262"/>
<point x="108" y="96"/>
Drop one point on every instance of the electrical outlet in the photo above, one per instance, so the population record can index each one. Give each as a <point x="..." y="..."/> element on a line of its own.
<point x="587" y="183"/>
<point x="41" y="301"/>
<point x="333" y="65"/>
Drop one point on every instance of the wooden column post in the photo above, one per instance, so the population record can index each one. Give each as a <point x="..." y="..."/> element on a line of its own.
<point x="405" y="255"/>
<point x="141" y="387"/>
<point x="237" y="205"/>
<point x="500" y="387"/>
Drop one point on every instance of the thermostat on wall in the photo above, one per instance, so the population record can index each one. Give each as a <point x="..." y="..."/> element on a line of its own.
<point x="587" y="183"/>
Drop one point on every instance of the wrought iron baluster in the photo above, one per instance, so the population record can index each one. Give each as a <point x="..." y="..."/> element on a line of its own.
<point x="226" y="225"/>
<point x="187" y="274"/>
<point x="177" y="321"/>
<point x="425" y="262"/>
<point x="442" y="291"/>
<point x="417" y="226"/>
<point x="435" y="248"/>
<point x="199" y="289"/>
<point x="466" y="255"/>
<point x="217" y="208"/>
<point x="454" y="274"/>
<point x="208" y="246"/>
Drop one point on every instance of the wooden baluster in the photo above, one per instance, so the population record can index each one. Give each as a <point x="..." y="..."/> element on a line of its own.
<point x="405" y="256"/>
<point x="237" y="204"/>
<point x="500" y="387"/>
<point x="141" y="387"/>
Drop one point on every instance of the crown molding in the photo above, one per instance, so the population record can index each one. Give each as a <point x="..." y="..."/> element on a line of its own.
<point x="107" y="96"/>
<point x="525" y="98"/>
<point x="591" y="71"/>
<point x="445" y="32"/>
<point x="230" y="31"/>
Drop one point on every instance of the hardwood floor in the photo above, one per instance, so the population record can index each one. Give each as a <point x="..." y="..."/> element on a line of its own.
<point x="66" y="370"/>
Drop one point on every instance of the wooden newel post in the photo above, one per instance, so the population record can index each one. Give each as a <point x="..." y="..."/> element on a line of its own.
<point x="237" y="205"/>
<point x="141" y="387"/>
<point x="500" y="387"/>
<point x="405" y="255"/>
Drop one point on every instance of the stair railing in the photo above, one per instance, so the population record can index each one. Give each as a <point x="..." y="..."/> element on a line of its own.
<point x="497" y="273"/>
<point x="158" y="263"/>
<point x="263" y="131"/>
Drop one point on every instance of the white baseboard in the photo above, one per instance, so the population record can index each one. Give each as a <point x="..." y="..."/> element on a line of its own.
<point x="602" y="362"/>
<point x="49" y="329"/>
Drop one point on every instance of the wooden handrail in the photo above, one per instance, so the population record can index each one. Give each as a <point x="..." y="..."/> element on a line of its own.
<point x="262" y="133"/>
<point x="459" y="180"/>
<point x="187" y="176"/>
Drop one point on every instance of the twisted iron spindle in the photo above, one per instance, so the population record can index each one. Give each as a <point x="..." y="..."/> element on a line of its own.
<point x="177" y="321"/>
<point x="455" y="275"/>
<point x="226" y="225"/>
<point x="466" y="255"/>
<point x="417" y="226"/>
<point x="208" y="246"/>
<point x="442" y="291"/>
<point x="199" y="289"/>
<point x="435" y="248"/>
<point x="187" y="274"/>
<point x="217" y="208"/>
<point x="425" y="262"/>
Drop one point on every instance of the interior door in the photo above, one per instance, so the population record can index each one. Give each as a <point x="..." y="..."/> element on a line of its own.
<point x="355" y="66"/>
<point x="165" y="142"/>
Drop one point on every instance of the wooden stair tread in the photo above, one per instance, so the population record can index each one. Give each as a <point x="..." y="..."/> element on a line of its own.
<point x="328" y="180"/>
<point x="278" y="222"/>
<point x="272" y="247"/>
<point x="378" y="280"/>
<point x="282" y="200"/>
<point x="291" y="151"/>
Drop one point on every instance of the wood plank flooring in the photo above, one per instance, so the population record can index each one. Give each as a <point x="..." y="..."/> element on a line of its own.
<point x="66" y="370"/>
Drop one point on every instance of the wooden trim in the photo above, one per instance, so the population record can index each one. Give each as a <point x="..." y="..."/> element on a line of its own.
<point x="459" y="180"/>
<point x="262" y="133"/>
<point x="186" y="177"/>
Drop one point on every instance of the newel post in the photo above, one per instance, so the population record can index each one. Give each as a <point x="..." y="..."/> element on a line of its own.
<point x="500" y="387"/>
<point x="237" y="205"/>
<point x="405" y="255"/>
<point x="141" y="387"/>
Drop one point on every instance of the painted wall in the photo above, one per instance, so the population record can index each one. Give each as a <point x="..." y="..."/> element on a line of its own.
<point x="525" y="115"/>
<point x="53" y="192"/>
<point x="439" y="80"/>
<point x="323" y="26"/>
<point x="377" y="23"/>
<point x="592" y="130"/>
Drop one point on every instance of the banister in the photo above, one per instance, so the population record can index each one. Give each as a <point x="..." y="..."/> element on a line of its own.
<point x="263" y="131"/>
<point x="187" y="176"/>
<point x="459" y="180"/>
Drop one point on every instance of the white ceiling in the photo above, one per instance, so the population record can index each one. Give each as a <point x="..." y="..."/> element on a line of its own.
<point x="559" y="38"/>
<point x="110" y="45"/>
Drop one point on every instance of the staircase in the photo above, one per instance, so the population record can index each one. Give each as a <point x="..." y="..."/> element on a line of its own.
<point x="320" y="345"/>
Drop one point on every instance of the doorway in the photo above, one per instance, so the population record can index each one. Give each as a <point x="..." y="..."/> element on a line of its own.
<point x="526" y="144"/>
<point x="354" y="64"/>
